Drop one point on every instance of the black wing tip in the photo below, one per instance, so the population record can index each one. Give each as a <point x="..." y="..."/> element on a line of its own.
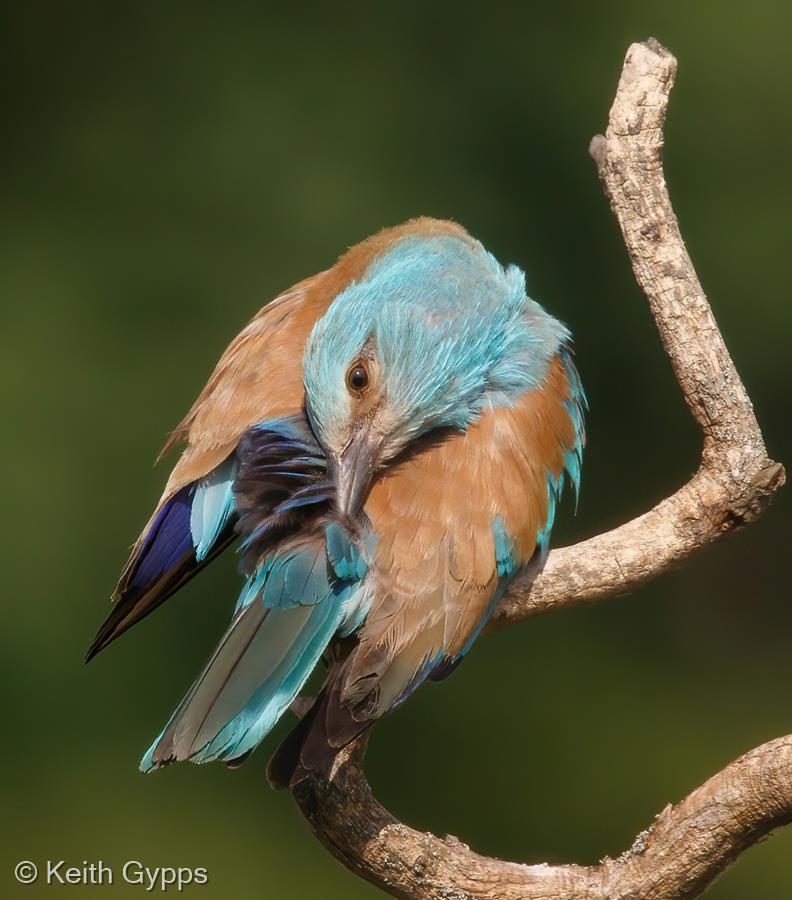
<point x="109" y="630"/>
<point x="102" y="639"/>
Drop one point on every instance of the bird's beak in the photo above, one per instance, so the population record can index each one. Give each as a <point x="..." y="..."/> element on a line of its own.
<point x="353" y="471"/>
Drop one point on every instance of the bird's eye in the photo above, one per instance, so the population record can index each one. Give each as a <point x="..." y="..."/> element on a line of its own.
<point x="357" y="378"/>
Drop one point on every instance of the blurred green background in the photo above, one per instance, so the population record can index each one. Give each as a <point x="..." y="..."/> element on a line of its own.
<point x="166" y="169"/>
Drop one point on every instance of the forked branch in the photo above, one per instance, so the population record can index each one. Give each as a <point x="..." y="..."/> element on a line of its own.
<point x="688" y="845"/>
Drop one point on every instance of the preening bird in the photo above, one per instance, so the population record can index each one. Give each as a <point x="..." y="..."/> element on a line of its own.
<point x="387" y="442"/>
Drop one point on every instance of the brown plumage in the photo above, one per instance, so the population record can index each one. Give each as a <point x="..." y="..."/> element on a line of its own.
<point x="432" y="575"/>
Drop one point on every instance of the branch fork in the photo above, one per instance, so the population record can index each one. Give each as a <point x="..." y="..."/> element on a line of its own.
<point x="689" y="844"/>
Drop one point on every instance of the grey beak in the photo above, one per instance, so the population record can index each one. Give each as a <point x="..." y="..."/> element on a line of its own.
<point x="352" y="473"/>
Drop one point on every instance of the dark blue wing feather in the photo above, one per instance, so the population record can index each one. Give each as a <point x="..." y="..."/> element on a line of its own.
<point x="275" y="476"/>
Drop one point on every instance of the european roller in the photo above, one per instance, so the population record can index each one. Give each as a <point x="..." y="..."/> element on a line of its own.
<point x="386" y="443"/>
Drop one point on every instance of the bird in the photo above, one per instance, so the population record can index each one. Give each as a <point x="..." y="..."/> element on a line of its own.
<point x="386" y="444"/>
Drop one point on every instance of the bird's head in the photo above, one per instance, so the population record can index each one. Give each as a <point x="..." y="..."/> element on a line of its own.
<point x="435" y="331"/>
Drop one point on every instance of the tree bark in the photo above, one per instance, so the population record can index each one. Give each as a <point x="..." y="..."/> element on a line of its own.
<point x="689" y="844"/>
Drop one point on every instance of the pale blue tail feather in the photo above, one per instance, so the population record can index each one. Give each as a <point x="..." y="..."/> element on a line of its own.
<point x="290" y="610"/>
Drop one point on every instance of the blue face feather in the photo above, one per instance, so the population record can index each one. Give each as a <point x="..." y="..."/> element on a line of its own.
<point x="442" y="299"/>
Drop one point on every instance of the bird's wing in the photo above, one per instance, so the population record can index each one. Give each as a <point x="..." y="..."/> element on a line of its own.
<point x="258" y="378"/>
<point x="303" y="587"/>
<point x="202" y="518"/>
<point x="454" y="523"/>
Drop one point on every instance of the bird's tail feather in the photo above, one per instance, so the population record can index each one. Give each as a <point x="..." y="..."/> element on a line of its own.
<point x="259" y="668"/>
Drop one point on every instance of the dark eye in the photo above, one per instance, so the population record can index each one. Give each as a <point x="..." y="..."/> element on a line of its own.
<point x="357" y="378"/>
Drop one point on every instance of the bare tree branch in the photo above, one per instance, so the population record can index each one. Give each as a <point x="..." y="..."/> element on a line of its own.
<point x="735" y="479"/>
<point x="691" y="843"/>
<point x="682" y="852"/>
